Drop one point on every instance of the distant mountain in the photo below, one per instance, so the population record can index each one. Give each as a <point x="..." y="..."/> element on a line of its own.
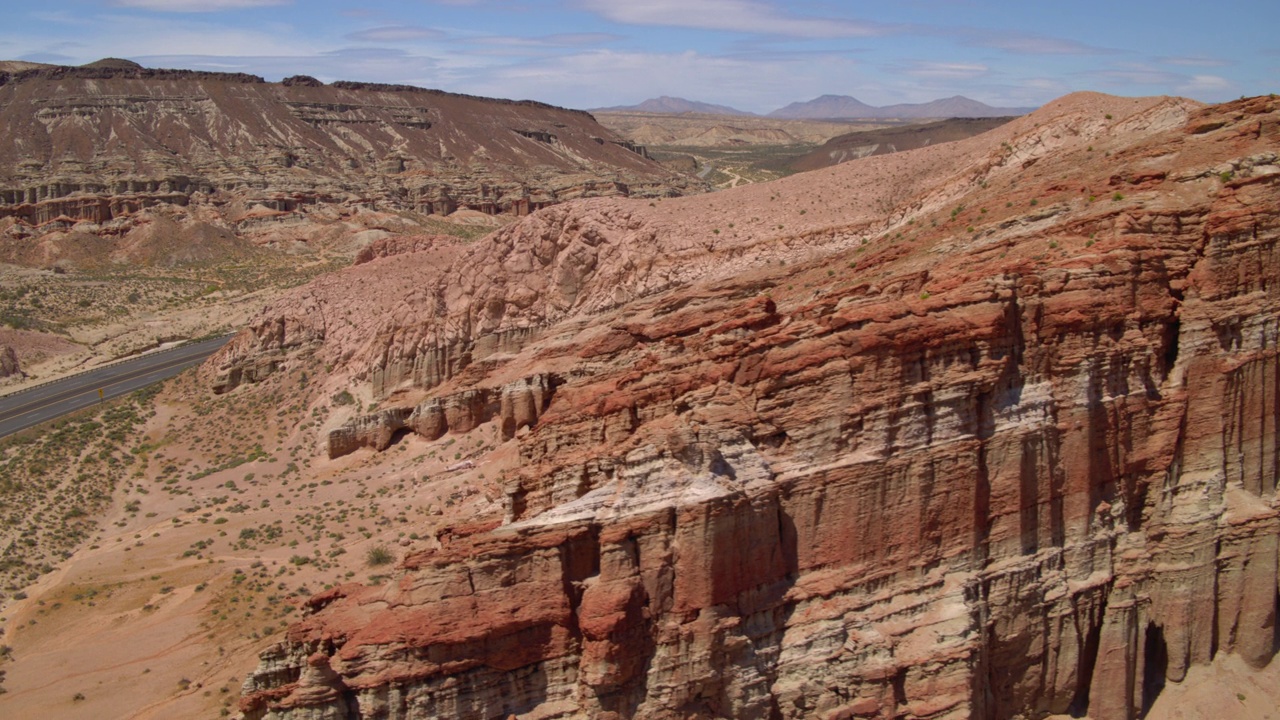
<point x="826" y="108"/>
<point x="674" y="106"/>
<point x="843" y="106"/>
<point x="832" y="107"/>
<point x="957" y="106"/>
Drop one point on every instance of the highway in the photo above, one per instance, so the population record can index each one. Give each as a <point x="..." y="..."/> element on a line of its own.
<point x="28" y="408"/>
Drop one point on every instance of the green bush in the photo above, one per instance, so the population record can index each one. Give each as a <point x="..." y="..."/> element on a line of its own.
<point x="379" y="555"/>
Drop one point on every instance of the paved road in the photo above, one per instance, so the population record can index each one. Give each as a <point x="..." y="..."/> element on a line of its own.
<point x="22" y="410"/>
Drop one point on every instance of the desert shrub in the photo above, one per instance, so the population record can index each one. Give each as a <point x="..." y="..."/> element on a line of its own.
<point x="379" y="555"/>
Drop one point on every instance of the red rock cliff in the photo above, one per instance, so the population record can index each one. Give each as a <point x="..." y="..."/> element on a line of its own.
<point x="1014" y="454"/>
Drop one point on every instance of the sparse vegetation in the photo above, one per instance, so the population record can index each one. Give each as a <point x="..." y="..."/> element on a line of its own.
<point x="88" y="298"/>
<point x="53" y="485"/>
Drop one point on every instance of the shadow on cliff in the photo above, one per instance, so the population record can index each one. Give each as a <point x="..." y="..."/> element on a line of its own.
<point x="747" y="549"/>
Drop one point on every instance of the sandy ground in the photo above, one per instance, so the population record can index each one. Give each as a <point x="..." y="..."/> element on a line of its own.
<point x="35" y="348"/>
<point x="1229" y="688"/>
<point x="165" y="613"/>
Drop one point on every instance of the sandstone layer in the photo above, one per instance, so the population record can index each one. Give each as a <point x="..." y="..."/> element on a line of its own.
<point x="986" y="429"/>
<point x="84" y="150"/>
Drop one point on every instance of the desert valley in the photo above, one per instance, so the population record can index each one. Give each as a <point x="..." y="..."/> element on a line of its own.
<point x="544" y="413"/>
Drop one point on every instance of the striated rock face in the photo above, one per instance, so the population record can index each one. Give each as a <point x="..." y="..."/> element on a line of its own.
<point x="91" y="147"/>
<point x="999" y="460"/>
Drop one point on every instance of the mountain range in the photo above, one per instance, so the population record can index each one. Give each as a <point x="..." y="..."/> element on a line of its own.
<point x="831" y="107"/>
<point x="675" y="106"/>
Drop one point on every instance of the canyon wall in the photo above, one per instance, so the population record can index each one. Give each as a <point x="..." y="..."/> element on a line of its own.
<point x="1022" y="467"/>
<point x="91" y="147"/>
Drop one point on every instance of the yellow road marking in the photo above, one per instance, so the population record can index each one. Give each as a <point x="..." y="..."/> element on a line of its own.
<point x="68" y="395"/>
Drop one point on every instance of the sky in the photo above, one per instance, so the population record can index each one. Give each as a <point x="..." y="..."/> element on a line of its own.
<point x="754" y="55"/>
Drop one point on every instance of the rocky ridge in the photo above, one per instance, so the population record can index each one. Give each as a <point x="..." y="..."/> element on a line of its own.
<point x="985" y="429"/>
<point x="854" y="145"/>
<point x="86" y="150"/>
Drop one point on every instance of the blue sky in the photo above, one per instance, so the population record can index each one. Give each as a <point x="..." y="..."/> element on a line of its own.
<point x="755" y="55"/>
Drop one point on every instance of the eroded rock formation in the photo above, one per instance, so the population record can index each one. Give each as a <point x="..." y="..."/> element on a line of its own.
<point x="90" y="148"/>
<point x="9" y="364"/>
<point x="516" y="405"/>
<point x="1000" y="442"/>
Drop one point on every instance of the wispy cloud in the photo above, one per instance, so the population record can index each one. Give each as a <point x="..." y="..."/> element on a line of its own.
<point x="1193" y="61"/>
<point x="946" y="70"/>
<point x="1035" y="44"/>
<point x="396" y="33"/>
<point x="749" y="16"/>
<point x="1144" y="78"/>
<point x="1134" y="76"/>
<point x="1206" y="86"/>
<point x="1043" y="85"/>
<point x="557" y="40"/>
<point x="1033" y="91"/>
<point x="48" y="57"/>
<point x="189" y="6"/>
